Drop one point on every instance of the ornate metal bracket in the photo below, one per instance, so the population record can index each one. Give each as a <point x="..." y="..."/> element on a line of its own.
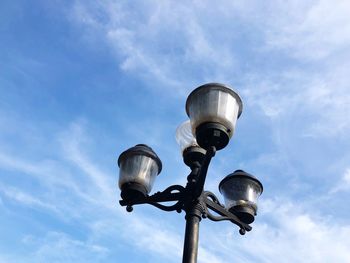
<point x="172" y="193"/>
<point x="191" y="197"/>
<point x="178" y="194"/>
<point x="212" y="203"/>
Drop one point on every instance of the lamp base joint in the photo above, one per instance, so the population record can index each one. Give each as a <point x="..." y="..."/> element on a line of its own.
<point x="212" y="134"/>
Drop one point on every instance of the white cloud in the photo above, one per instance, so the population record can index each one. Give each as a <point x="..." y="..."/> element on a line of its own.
<point x="284" y="232"/>
<point x="46" y="171"/>
<point x="282" y="227"/>
<point x="178" y="46"/>
<point x="26" y="199"/>
<point x="54" y="181"/>
<point x="71" y="141"/>
<point x="318" y="102"/>
<point x="60" y="247"/>
<point x="157" y="236"/>
<point x="97" y="207"/>
<point x="167" y="43"/>
<point x="146" y="234"/>
<point x="343" y="184"/>
<point x="313" y="39"/>
<point x="314" y="30"/>
<point x="315" y="238"/>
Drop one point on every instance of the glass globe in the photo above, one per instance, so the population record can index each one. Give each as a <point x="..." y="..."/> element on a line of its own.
<point x="184" y="136"/>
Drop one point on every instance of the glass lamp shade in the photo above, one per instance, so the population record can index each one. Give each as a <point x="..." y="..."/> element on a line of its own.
<point x="190" y="150"/>
<point x="214" y="104"/>
<point x="241" y="192"/>
<point x="184" y="136"/>
<point x="139" y="167"/>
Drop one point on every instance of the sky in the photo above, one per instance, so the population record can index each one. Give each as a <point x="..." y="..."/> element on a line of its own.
<point x="81" y="81"/>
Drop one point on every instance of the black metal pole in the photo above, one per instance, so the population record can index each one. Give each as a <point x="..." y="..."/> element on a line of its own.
<point x="193" y="217"/>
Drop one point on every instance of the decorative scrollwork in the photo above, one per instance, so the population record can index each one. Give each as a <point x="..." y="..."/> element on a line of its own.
<point x="209" y="205"/>
<point x="176" y="207"/>
<point x="212" y="197"/>
<point x="174" y="193"/>
<point x="212" y="203"/>
<point x="168" y="192"/>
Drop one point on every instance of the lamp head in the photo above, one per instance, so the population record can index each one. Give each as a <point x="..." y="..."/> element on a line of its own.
<point x="241" y="191"/>
<point x="213" y="110"/>
<point x="139" y="166"/>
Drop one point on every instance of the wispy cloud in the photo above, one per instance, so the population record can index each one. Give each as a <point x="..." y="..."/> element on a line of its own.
<point x="142" y="49"/>
<point x="53" y="178"/>
<point x="91" y="190"/>
<point x="295" y="229"/>
<point x="26" y="199"/>
<point x="343" y="184"/>
<point x="60" y="247"/>
<point x="284" y="232"/>
<point x="288" y="226"/>
<point x="311" y="30"/>
<point x="71" y="141"/>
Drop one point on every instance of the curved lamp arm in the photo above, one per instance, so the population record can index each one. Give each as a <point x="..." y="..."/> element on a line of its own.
<point x="172" y="193"/>
<point x="212" y="203"/>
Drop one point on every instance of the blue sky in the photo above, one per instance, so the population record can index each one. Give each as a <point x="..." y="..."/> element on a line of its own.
<point x="81" y="81"/>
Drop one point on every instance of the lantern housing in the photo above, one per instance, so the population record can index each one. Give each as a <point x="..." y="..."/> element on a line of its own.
<point x="241" y="192"/>
<point x="139" y="167"/>
<point x="213" y="110"/>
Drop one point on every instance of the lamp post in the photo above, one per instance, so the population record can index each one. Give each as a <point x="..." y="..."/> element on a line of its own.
<point x="213" y="110"/>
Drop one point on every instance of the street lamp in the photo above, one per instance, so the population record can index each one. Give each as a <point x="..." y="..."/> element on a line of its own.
<point x="213" y="110"/>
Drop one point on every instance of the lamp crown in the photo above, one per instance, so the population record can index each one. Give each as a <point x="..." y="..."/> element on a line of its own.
<point x="140" y="149"/>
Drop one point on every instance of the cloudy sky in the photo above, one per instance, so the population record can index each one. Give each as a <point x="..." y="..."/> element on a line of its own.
<point x="81" y="81"/>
